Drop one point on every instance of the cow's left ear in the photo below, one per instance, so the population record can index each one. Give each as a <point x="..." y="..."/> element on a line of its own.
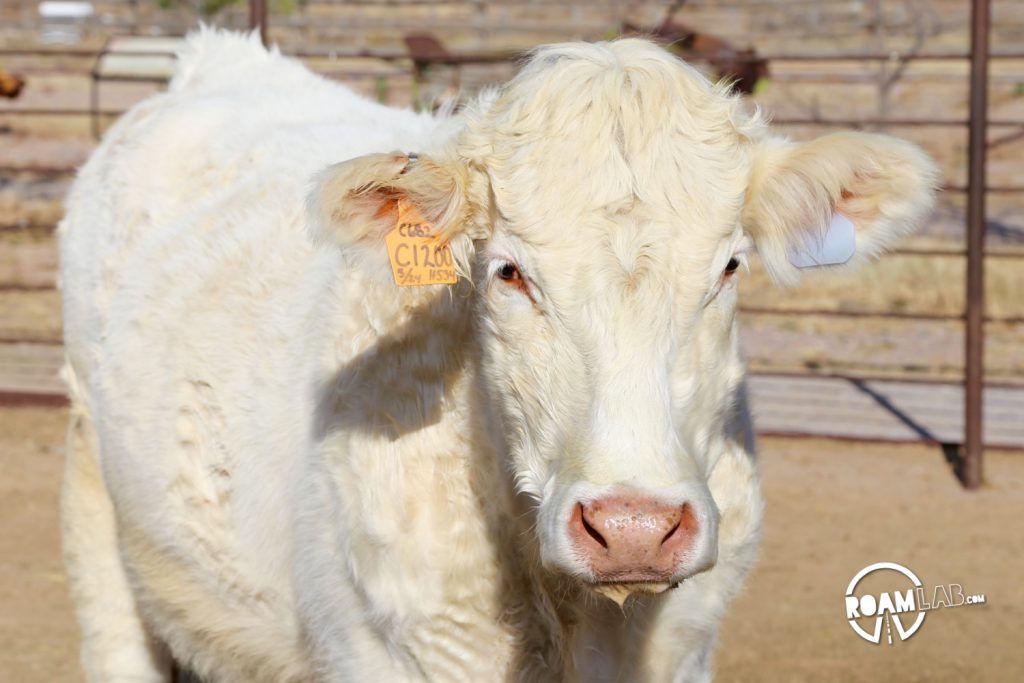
<point x="883" y="185"/>
<point x="355" y="203"/>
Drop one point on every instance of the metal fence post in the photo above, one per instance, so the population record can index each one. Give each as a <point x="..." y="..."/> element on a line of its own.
<point x="258" y="18"/>
<point x="974" y="370"/>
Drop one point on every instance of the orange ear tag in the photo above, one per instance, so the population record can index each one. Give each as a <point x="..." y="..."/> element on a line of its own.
<point x="417" y="256"/>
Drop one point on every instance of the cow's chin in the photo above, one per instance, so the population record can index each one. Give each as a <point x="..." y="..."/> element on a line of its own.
<point x="619" y="592"/>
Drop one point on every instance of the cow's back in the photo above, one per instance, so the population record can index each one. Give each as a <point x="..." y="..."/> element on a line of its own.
<point x="192" y="292"/>
<point x="210" y="176"/>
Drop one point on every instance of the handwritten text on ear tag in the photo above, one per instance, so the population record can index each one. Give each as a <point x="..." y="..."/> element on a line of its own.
<point x="417" y="256"/>
<point x="836" y="246"/>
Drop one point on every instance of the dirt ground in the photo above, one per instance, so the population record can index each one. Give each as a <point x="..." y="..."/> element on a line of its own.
<point x="38" y="633"/>
<point x="832" y="509"/>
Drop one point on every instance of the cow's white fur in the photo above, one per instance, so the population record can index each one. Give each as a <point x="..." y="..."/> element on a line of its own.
<point x="284" y="468"/>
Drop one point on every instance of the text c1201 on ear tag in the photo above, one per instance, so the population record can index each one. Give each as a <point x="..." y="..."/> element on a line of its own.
<point x="835" y="247"/>
<point x="417" y="256"/>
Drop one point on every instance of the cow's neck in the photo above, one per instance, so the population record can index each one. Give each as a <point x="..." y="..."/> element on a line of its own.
<point x="417" y="373"/>
<point x="403" y="415"/>
<point x="425" y="366"/>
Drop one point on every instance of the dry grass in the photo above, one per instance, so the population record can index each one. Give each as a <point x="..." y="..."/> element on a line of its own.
<point x="897" y="284"/>
<point x="892" y="347"/>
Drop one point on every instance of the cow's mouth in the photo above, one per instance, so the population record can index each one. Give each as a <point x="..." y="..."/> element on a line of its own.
<point x="619" y="591"/>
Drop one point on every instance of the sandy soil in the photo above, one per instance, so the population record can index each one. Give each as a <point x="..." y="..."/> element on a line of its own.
<point x="38" y="633"/>
<point x="832" y="508"/>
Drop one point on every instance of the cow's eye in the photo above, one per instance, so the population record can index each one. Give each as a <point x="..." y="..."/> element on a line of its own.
<point x="510" y="273"/>
<point x="731" y="267"/>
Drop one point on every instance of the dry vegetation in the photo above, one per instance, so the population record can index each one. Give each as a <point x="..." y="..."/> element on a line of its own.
<point x="896" y="283"/>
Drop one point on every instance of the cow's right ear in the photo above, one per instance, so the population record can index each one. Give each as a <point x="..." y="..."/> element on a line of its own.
<point x="355" y="203"/>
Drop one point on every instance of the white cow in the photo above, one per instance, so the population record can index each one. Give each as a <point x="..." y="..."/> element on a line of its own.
<point x="284" y="467"/>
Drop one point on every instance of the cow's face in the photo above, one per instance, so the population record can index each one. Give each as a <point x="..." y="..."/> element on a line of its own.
<point x="607" y="289"/>
<point x="607" y="330"/>
<point x="604" y="204"/>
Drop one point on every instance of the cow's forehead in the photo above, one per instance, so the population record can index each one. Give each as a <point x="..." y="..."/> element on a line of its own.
<point x="600" y="266"/>
<point x="591" y="140"/>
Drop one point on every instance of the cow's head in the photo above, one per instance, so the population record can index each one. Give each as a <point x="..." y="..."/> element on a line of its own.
<point x="603" y="204"/>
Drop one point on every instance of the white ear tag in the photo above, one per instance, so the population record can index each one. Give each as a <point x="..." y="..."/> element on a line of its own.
<point x="834" y="247"/>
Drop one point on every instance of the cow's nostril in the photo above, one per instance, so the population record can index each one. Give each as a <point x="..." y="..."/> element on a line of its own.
<point x="591" y="531"/>
<point x="664" y="539"/>
<point x="686" y="526"/>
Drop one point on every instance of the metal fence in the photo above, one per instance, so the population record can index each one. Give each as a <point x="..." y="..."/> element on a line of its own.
<point x="415" y="65"/>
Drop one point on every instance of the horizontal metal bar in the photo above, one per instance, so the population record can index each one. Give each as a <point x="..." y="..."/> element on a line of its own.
<point x="19" y="287"/>
<point x="450" y="59"/>
<point x="39" y="170"/>
<point x="814" y="374"/>
<point x="830" y="313"/>
<point x="76" y="52"/>
<point x="878" y="56"/>
<point x="18" y="398"/>
<point x="306" y="53"/>
<point x="786" y="434"/>
<point x="959" y="253"/>
<point x="991" y="189"/>
<point x="33" y="111"/>
<point x="82" y="51"/>
<point x="7" y="337"/>
<point x="853" y="123"/>
<point x="483" y="56"/>
<point x="113" y="78"/>
<point x="894" y="315"/>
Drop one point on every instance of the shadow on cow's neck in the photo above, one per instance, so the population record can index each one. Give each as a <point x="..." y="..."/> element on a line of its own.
<point x="402" y="381"/>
